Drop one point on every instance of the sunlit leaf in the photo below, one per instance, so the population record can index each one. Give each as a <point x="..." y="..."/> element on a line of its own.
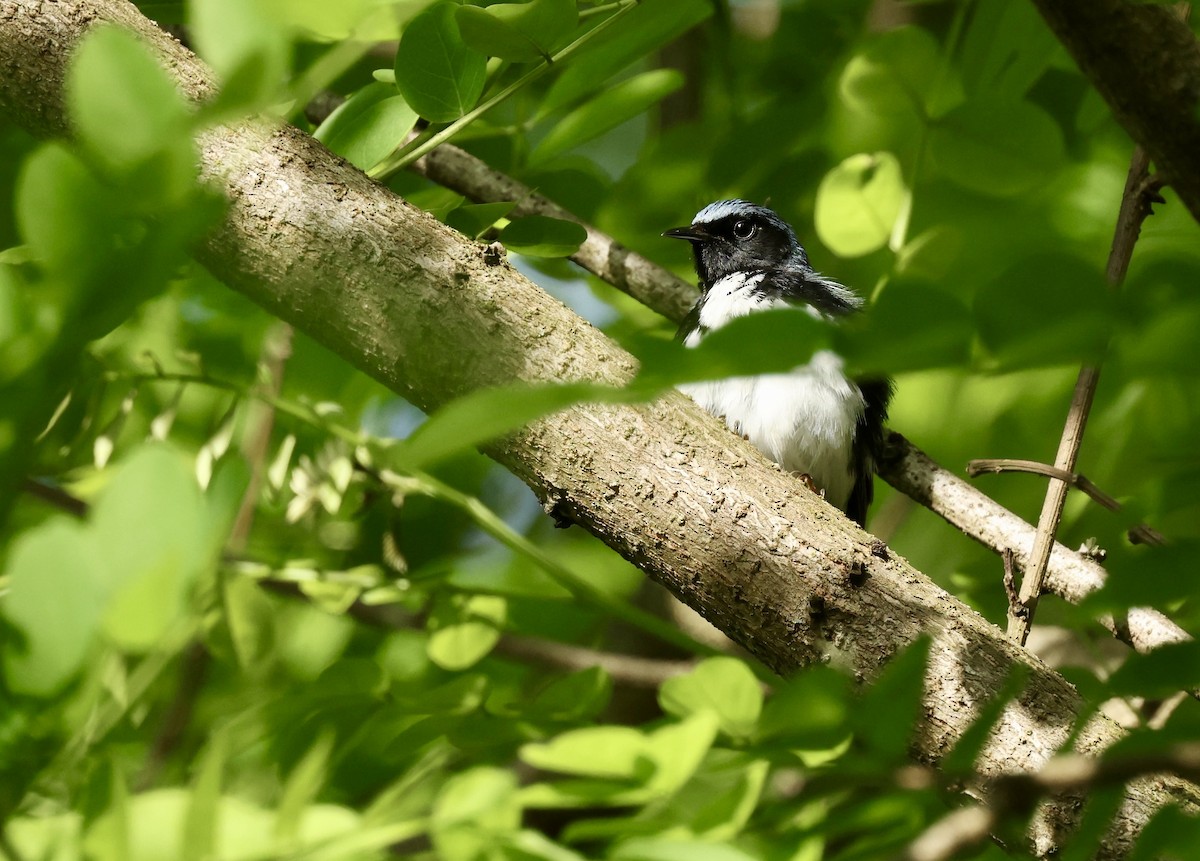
<point x="858" y="203"/>
<point x="438" y="75"/>
<point x="607" y="111"/>
<point x="368" y="126"/>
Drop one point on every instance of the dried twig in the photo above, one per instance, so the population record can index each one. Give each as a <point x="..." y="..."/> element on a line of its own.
<point x="1135" y="207"/>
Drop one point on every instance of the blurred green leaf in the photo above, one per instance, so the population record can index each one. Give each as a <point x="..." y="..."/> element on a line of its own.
<point x="911" y="326"/>
<point x="301" y="789"/>
<point x="201" y="826"/>
<point x="1160" y="673"/>
<point x="436" y="72"/>
<point x="55" y="599"/>
<point x="466" y="631"/>
<point x="576" y="696"/>
<point x="665" y="849"/>
<point x="542" y="236"/>
<point x="997" y="148"/>
<point x="618" y="104"/>
<point x="724" y="686"/>
<point x="900" y="71"/>
<point x="247" y="45"/>
<point x="150" y="570"/>
<point x="610" y="752"/>
<point x="368" y="126"/>
<point x="473" y="810"/>
<point x="1043" y="310"/>
<point x="126" y="111"/>
<point x="886" y="716"/>
<point x="810" y="711"/>
<point x="858" y="203"/>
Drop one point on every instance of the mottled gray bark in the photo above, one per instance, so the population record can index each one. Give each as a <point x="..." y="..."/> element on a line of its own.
<point x="416" y="306"/>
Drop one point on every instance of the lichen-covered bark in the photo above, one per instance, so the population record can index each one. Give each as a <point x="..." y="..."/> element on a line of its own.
<point x="416" y="305"/>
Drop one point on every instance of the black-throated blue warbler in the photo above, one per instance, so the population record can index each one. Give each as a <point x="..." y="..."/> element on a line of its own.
<point x="814" y="420"/>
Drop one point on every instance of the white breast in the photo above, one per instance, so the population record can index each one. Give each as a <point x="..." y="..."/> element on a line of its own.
<point x="803" y="420"/>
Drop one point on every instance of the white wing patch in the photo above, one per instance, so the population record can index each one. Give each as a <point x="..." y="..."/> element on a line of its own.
<point x="803" y="420"/>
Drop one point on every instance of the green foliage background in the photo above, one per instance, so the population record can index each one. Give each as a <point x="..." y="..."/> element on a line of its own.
<point x="275" y="634"/>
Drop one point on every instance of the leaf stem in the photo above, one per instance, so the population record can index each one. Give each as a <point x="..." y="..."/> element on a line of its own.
<point x="410" y="153"/>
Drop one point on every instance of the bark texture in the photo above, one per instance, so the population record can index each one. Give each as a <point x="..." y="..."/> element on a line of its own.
<point x="1145" y="62"/>
<point x="401" y="296"/>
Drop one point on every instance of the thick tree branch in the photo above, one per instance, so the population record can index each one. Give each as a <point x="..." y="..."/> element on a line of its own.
<point x="1145" y="62"/>
<point x="1069" y="575"/>
<point x="415" y="305"/>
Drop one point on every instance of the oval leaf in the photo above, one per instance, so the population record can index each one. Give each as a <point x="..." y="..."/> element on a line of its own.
<point x="435" y="70"/>
<point x="622" y="102"/>
<point x="494" y="36"/>
<point x="1000" y="149"/>
<point x="858" y="203"/>
<point x="368" y="126"/>
<point x="724" y="686"/>
<point x="542" y="236"/>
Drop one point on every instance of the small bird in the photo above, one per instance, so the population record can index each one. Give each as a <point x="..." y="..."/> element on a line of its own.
<point x="814" y="420"/>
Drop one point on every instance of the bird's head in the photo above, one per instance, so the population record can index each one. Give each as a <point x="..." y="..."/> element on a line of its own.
<point x="738" y="236"/>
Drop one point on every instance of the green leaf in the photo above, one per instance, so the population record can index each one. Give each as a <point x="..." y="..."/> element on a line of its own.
<point x="678" y="749"/>
<point x="368" y="126"/>
<point x="900" y="72"/>
<point x="611" y="752"/>
<point x="809" y="711"/>
<point x="64" y="214"/>
<point x="542" y="236"/>
<point x="638" y="34"/>
<point x="1160" y="673"/>
<point x="301" y="788"/>
<point x="486" y="414"/>
<point x="245" y="43"/>
<point x="858" y="203"/>
<point x="493" y="36"/>
<point x="201" y="825"/>
<point x="473" y="219"/>
<point x="519" y="32"/>
<point x="1046" y="309"/>
<point x="473" y="810"/>
<point x="150" y="577"/>
<point x="467" y="633"/>
<point x="912" y="326"/>
<point x="665" y="849"/>
<point x="724" y="686"/>
<point x="438" y="75"/>
<point x="55" y="598"/>
<point x="577" y="696"/>
<point x="616" y="105"/>
<point x="886" y="716"/>
<point x="124" y="106"/>
<point x="249" y="619"/>
<point x="1001" y="148"/>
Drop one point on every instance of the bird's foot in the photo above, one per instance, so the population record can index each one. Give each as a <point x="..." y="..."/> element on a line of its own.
<point x="807" y="481"/>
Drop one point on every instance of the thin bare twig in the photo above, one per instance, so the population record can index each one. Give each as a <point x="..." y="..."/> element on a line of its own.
<point x="56" y="496"/>
<point x="1135" y="207"/>
<point x="1007" y="464"/>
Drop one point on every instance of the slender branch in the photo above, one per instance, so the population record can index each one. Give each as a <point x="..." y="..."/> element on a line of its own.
<point x="404" y="157"/>
<point x="56" y="496"/>
<point x="631" y="670"/>
<point x="1006" y="464"/>
<point x="1135" y="208"/>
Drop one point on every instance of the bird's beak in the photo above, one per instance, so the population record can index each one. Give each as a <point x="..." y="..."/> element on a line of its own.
<point x="691" y="234"/>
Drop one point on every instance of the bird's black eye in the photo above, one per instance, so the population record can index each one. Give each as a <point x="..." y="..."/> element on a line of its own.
<point x="744" y="229"/>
